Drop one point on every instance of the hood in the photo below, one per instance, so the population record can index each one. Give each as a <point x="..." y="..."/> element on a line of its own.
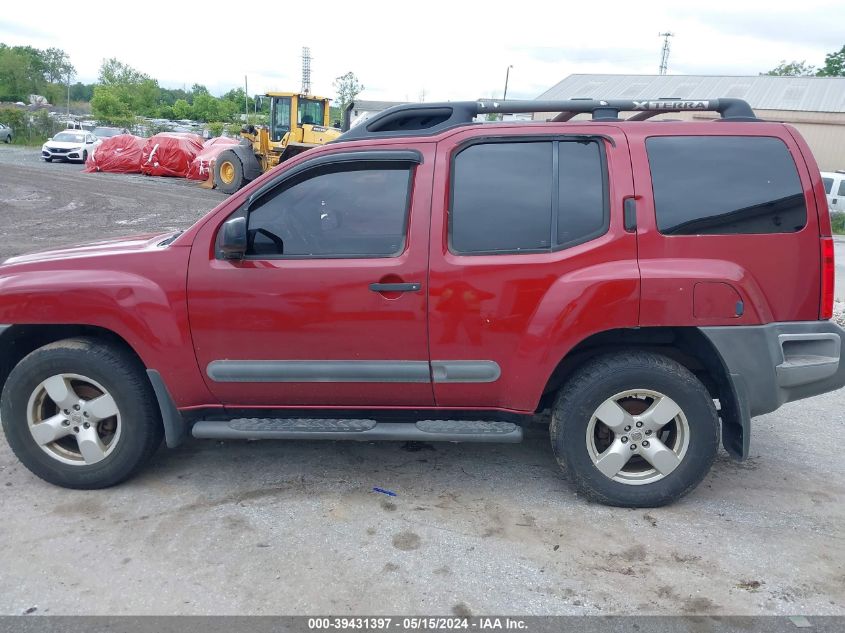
<point x="64" y="144"/>
<point x="134" y="244"/>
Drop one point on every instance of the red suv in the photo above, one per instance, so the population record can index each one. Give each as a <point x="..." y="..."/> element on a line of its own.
<point x="656" y="284"/>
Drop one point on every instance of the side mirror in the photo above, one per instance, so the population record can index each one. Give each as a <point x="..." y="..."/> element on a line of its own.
<point x="233" y="239"/>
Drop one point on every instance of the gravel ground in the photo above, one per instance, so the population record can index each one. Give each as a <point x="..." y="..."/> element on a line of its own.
<point x="295" y="528"/>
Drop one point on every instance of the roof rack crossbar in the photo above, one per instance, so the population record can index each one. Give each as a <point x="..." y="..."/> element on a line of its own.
<point x="422" y="119"/>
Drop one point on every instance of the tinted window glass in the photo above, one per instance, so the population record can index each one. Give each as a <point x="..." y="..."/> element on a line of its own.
<point x="841" y="191"/>
<point x="581" y="206"/>
<point x="502" y="198"/>
<point x="828" y="184"/>
<point x="725" y="184"/>
<point x="350" y="212"/>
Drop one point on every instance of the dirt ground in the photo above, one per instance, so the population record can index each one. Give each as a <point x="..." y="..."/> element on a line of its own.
<point x="296" y="528"/>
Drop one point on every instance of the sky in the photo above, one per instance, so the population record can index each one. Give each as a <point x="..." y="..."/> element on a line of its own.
<point x="427" y="50"/>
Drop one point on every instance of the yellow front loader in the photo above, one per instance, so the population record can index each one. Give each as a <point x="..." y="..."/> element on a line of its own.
<point x="297" y="122"/>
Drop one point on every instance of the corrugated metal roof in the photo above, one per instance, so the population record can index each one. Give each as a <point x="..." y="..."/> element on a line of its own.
<point x="374" y="106"/>
<point x="763" y="92"/>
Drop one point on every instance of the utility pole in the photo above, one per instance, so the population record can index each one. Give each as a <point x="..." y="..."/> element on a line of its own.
<point x="507" y="76"/>
<point x="246" y="101"/>
<point x="68" y="95"/>
<point x="505" y="93"/>
<point x="306" y="70"/>
<point x="664" y="55"/>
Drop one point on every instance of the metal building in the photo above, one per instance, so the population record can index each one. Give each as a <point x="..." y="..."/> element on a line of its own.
<point x="814" y="105"/>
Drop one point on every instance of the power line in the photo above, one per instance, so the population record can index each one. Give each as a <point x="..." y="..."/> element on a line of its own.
<point x="664" y="56"/>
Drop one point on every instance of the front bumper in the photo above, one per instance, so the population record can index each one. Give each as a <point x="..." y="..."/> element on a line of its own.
<point x="776" y="363"/>
<point x="59" y="154"/>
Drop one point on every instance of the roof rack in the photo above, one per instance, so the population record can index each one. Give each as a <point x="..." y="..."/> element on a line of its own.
<point x="426" y="119"/>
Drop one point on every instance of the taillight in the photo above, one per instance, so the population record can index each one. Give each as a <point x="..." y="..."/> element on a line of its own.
<point x="826" y="303"/>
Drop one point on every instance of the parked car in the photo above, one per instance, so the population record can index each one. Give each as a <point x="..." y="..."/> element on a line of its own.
<point x="834" y="188"/>
<point x="70" y="145"/>
<point x="425" y="278"/>
<point x="6" y="133"/>
<point x="103" y="133"/>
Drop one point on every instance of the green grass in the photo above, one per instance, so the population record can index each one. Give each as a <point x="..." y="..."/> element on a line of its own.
<point x="837" y="223"/>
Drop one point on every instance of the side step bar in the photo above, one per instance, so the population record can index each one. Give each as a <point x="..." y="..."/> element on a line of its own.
<point x="362" y="430"/>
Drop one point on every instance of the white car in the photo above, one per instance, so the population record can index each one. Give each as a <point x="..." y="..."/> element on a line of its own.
<point x="834" y="188"/>
<point x="5" y="133"/>
<point x="69" y="145"/>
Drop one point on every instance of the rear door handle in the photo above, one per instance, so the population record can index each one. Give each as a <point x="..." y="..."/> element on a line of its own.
<point x="395" y="287"/>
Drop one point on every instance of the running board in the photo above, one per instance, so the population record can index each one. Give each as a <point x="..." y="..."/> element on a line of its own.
<point x="362" y="430"/>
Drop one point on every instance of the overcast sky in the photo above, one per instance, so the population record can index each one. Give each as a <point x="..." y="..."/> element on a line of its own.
<point x="442" y="50"/>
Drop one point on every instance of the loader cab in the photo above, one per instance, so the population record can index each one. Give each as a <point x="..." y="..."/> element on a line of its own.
<point x="308" y="111"/>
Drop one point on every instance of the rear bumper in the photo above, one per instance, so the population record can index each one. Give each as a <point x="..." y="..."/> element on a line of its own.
<point x="776" y="363"/>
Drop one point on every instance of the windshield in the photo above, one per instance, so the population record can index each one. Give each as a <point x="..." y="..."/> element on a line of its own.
<point x="311" y="111"/>
<point x="70" y="137"/>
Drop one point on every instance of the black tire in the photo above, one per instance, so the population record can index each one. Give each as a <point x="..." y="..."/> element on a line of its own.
<point x="122" y="376"/>
<point x="9" y="138"/>
<point x="84" y="156"/>
<point x="598" y="381"/>
<point x="48" y="160"/>
<point x="235" y="180"/>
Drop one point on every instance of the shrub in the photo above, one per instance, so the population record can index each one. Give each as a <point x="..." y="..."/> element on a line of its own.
<point x="837" y="223"/>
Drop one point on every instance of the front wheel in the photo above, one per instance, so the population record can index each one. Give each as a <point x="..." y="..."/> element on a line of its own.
<point x="228" y="172"/>
<point x="84" y="156"/>
<point x="81" y="413"/>
<point x="635" y="429"/>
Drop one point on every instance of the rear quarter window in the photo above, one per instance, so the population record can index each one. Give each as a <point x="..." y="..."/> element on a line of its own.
<point x="722" y="185"/>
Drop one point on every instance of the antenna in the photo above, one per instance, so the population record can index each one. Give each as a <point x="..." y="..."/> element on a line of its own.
<point x="306" y="70"/>
<point x="664" y="55"/>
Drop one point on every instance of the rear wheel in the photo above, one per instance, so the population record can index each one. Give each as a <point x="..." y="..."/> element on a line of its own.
<point x="635" y="429"/>
<point x="228" y="172"/>
<point x="81" y="414"/>
<point x="9" y="138"/>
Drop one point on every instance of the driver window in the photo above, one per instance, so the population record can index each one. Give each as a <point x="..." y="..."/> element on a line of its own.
<point x="345" y="211"/>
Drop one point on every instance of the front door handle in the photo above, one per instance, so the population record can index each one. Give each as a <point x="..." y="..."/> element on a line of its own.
<point x="395" y="287"/>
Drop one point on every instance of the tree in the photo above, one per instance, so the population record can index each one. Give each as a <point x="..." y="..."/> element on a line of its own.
<point x="57" y="66"/>
<point x="181" y="109"/>
<point x="136" y="91"/>
<point x="108" y="106"/>
<point x="792" y="69"/>
<point x="113" y="71"/>
<point x="348" y="87"/>
<point x="206" y="107"/>
<point x="834" y="64"/>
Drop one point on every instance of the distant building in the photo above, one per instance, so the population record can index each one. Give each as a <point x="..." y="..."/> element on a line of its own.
<point x="814" y="105"/>
<point x="363" y="110"/>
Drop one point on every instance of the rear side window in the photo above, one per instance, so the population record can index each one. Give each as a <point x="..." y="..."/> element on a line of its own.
<point x="518" y="197"/>
<point x="720" y="185"/>
<point x="841" y="191"/>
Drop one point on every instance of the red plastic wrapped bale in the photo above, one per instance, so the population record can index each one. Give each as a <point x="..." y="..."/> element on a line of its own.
<point x="170" y="154"/>
<point x="118" y="154"/>
<point x="203" y="164"/>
